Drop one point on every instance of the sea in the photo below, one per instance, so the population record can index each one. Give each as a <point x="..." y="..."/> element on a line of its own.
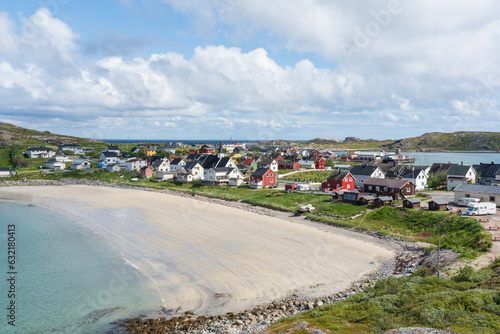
<point x="64" y="278"/>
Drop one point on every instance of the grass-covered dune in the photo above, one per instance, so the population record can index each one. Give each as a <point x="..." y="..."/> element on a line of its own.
<point x="466" y="303"/>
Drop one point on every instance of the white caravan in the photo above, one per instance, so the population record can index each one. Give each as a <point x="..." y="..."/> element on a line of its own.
<point x="483" y="208"/>
<point x="465" y="201"/>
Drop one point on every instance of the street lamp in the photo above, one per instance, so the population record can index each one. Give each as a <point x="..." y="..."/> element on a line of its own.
<point x="439" y="249"/>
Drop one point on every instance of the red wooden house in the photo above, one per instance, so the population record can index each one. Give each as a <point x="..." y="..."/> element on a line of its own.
<point x="207" y="149"/>
<point x="146" y="172"/>
<point x="293" y="165"/>
<point x="277" y="157"/>
<point x="262" y="177"/>
<point x="320" y="163"/>
<point x="315" y="154"/>
<point x="338" y="180"/>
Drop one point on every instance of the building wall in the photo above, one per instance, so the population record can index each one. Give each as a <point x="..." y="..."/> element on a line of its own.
<point x="482" y="197"/>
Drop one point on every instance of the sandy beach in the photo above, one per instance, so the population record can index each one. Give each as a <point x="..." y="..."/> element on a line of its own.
<point x="209" y="258"/>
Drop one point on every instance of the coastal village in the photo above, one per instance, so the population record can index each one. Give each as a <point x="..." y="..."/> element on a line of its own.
<point x="355" y="177"/>
<point x="382" y="195"/>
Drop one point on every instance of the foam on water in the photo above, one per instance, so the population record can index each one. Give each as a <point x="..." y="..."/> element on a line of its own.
<point x="68" y="278"/>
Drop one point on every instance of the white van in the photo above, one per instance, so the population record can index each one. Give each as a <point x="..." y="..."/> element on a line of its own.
<point x="465" y="201"/>
<point x="483" y="208"/>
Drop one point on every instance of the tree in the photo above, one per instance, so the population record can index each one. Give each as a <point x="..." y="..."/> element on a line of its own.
<point x="436" y="179"/>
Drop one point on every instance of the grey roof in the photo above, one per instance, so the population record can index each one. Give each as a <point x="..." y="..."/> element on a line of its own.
<point x="476" y="188"/>
<point x="440" y="201"/>
<point x="437" y="167"/>
<point x="110" y="154"/>
<point x="413" y="200"/>
<point x="412" y="173"/>
<point x="458" y="170"/>
<point x="176" y="161"/>
<point x="4" y="169"/>
<point x="368" y="197"/>
<point x="113" y="147"/>
<point x="157" y="163"/>
<point x="363" y="170"/>
<point x="38" y="149"/>
<point x="384" y="198"/>
<point x="488" y="170"/>
<point x="190" y="165"/>
<point x="261" y="171"/>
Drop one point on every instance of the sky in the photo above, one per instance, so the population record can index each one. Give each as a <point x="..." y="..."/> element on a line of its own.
<point x="250" y="69"/>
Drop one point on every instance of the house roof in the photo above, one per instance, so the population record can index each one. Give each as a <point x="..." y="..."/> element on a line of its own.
<point x="413" y="200"/>
<point x="266" y="162"/>
<point x="109" y="154"/>
<point x="390" y="183"/>
<point x="412" y="173"/>
<point x="437" y="167"/>
<point x="247" y="161"/>
<point x="158" y="163"/>
<point x="4" y="169"/>
<point x="368" y="197"/>
<point x="262" y="171"/>
<point x="79" y="161"/>
<point x="176" y="161"/>
<point x="476" y="188"/>
<point x="439" y="201"/>
<point x="488" y="170"/>
<point x="460" y="170"/>
<point x="38" y="149"/>
<point x="190" y="165"/>
<point x="146" y="167"/>
<point x="338" y="175"/>
<point x="70" y="145"/>
<point x="112" y="147"/>
<point x="363" y="170"/>
<point x="384" y="198"/>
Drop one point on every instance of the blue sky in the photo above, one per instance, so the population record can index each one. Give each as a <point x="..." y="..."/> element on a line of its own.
<point x="210" y="69"/>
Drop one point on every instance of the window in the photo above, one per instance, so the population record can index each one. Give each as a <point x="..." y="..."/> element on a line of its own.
<point x="369" y="187"/>
<point x="267" y="174"/>
<point x="385" y="188"/>
<point x="492" y="198"/>
<point x="467" y="195"/>
<point x="271" y="180"/>
<point x="377" y="188"/>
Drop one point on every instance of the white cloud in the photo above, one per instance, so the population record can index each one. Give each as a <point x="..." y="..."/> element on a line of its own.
<point x="416" y="61"/>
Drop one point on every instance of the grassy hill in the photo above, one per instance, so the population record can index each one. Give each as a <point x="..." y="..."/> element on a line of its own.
<point x="435" y="141"/>
<point x="14" y="140"/>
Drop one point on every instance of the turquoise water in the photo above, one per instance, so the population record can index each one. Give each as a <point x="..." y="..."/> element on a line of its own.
<point x="68" y="280"/>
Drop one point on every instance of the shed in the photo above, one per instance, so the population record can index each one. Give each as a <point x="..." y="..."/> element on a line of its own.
<point x="383" y="201"/>
<point x="367" y="199"/>
<point x="438" y="204"/>
<point x="411" y="203"/>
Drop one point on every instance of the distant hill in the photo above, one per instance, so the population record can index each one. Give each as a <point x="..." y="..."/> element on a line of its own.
<point x="15" y="135"/>
<point x="435" y="141"/>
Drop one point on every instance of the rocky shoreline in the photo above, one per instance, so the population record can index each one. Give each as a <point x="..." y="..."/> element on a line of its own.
<point x="259" y="318"/>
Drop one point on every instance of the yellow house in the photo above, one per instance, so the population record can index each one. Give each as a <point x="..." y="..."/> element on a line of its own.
<point x="148" y="151"/>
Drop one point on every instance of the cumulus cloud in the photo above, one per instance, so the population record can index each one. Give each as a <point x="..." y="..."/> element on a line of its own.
<point x="399" y="62"/>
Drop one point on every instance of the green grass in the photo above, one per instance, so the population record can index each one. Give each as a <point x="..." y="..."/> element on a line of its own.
<point x="340" y="209"/>
<point x="468" y="303"/>
<point x="286" y="201"/>
<point x="463" y="235"/>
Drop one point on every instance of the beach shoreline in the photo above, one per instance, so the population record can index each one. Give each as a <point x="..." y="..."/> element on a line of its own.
<point x="293" y="255"/>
